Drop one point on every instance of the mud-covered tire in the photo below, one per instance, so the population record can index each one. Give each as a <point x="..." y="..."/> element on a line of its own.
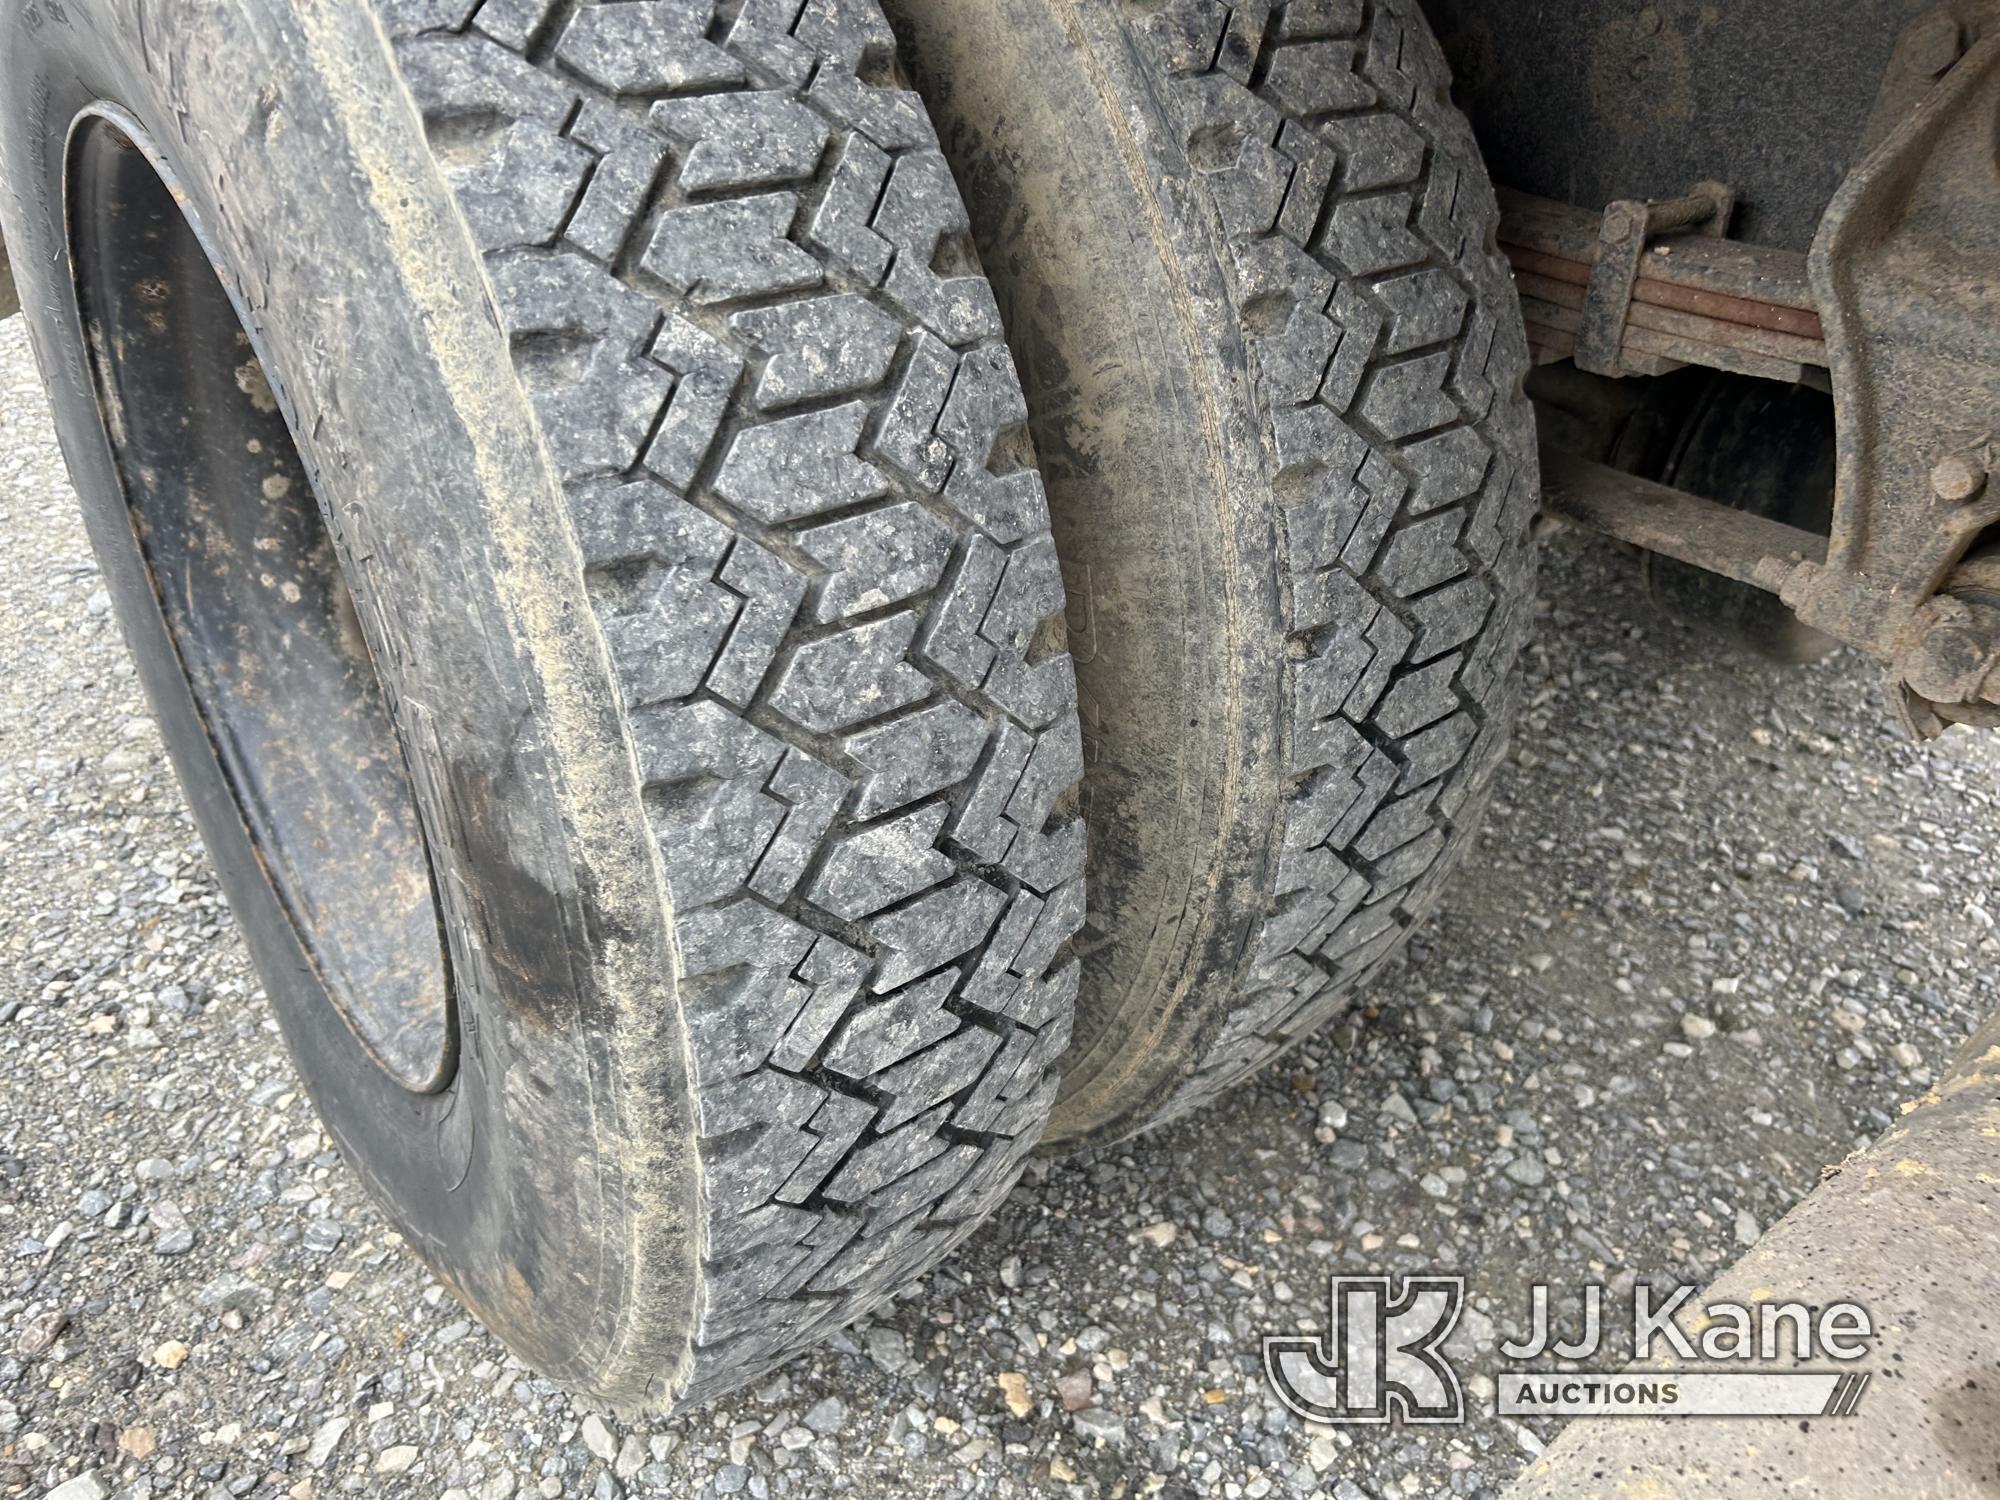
<point x="1274" y="357"/>
<point x="719" y="626"/>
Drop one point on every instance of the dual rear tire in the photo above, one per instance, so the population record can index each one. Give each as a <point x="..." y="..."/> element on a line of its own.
<point x="564" y="477"/>
<point x="1274" y="364"/>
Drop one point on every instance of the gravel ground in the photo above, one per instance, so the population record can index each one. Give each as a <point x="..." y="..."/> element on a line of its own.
<point x="1723" y="918"/>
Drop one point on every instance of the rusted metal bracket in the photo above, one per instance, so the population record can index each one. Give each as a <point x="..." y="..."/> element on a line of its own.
<point x="1906" y="269"/>
<point x="1622" y="239"/>
<point x="1695" y="300"/>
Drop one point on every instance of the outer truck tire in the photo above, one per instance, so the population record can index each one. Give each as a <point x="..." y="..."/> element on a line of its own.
<point x="560" y="473"/>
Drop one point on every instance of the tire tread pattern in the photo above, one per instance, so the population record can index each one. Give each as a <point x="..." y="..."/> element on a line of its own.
<point x="1387" y="358"/>
<point x="736" y="276"/>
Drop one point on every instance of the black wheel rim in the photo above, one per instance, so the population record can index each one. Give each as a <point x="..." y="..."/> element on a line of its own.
<point x="230" y="533"/>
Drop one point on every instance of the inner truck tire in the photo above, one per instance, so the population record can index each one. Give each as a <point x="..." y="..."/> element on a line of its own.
<point x="1248" y="263"/>
<point x="559" y="471"/>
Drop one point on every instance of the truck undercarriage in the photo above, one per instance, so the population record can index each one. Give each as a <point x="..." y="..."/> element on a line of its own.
<point x="1788" y="202"/>
<point x="1829" y="222"/>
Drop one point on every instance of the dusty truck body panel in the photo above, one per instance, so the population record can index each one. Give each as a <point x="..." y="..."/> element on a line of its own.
<point x="1600" y="100"/>
<point x="1905" y="1227"/>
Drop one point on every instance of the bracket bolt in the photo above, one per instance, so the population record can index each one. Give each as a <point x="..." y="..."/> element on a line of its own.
<point x="1622" y="221"/>
<point x="1934" y="44"/>
<point x="1955" y="654"/>
<point x="1958" y="480"/>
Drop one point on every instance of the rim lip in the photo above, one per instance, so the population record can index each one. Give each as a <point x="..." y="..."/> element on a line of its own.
<point x="331" y="985"/>
<point x="564" y="941"/>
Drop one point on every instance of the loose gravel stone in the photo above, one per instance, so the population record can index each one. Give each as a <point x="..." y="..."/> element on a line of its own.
<point x="1014" y="1388"/>
<point x="598" y="1439"/>
<point x="1075" y="1389"/>
<point x="1099" y="1426"/>
<point x="827" y="1415"/>
<point x="325" y="1440"/>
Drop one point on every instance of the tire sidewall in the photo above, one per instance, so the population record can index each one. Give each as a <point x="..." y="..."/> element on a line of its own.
<point x="1115" y="291"/>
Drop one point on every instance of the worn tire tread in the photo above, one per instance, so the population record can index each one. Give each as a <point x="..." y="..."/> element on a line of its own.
<point x="737" y="280"/>
<point x="1387" y="360"/>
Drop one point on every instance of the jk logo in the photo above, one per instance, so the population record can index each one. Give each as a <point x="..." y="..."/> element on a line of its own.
<point x="1380" y="1357"/>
